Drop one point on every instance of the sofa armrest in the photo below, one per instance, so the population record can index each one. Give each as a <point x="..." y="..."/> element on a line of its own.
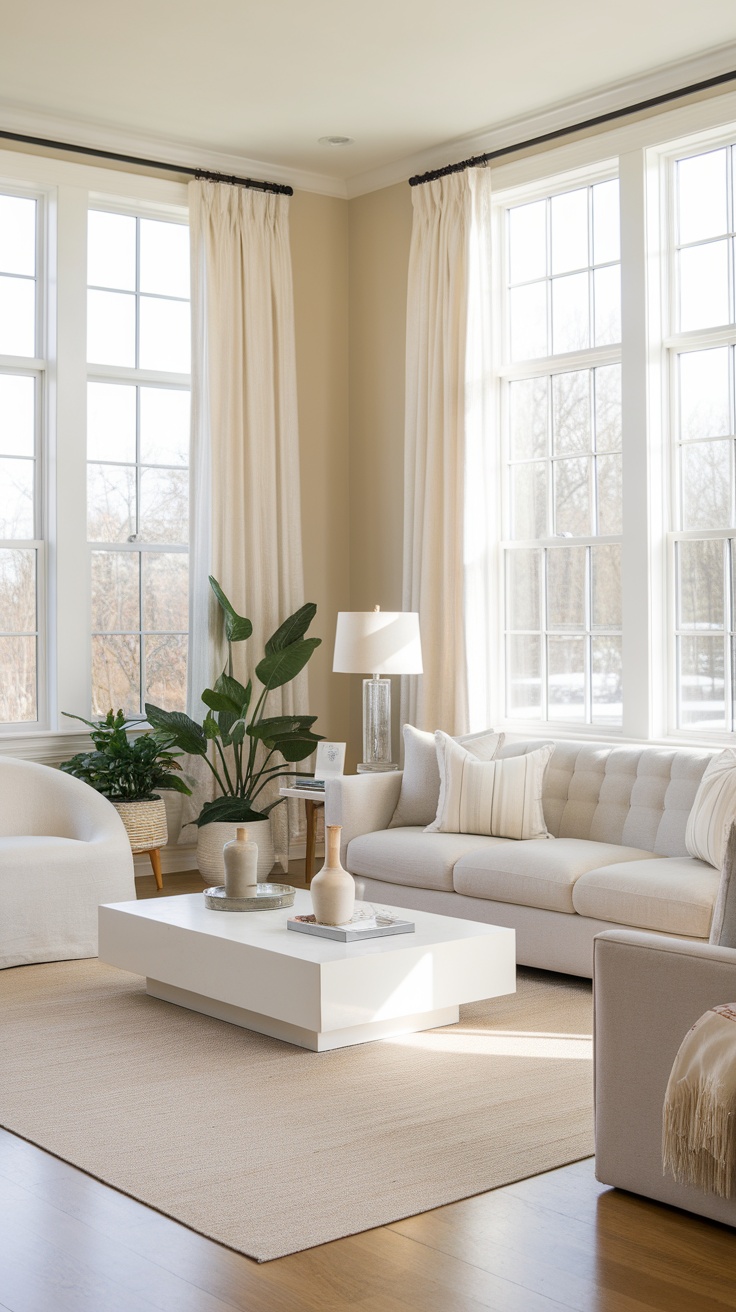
<point x="648" y="991"/>
<point x="361" y="803"/>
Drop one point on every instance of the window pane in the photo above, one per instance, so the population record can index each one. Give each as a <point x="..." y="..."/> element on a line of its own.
<point x="165" y="333"/>
<point x="528" y="418"/>
<point x="165" y="591"/>
<point x="528" y="306"/>
<point x="566" y="678"/>
<point x="18" y="680"/>
<point x="529" y="501"/>
<point x="703" y="286"/>
<point x="111" y="328"/>
<point x="17" y="316"/>
<point x="116" y="674"/>
<point x="609" y="493"/>
<point x="16" y="499"/>
<point x="701" y="197"/>
<point x="706" y="485"/>
<point x="700" y="584"/>
<point x="569" y="216"/>
<point x="164" y="258"/>
<point x="606" y="223"/>
<point x="18" y="235"/>
<point x="524" y="678"/>
<point x="607" y="297"/>
<point x="17" y="415"/>
<point x="17" y="591"/>
<point x="606" y="681"/>
<point x="523" y="595"/>
<point x="115" y="591"/>
<point x="110" y="503"/>
<point x="111" y="422"/>
<point x="166" y="671"/>
<point x="164" y="511"/>
<point x="606" y="590"/>
<point x="566" y="588"/>
<point x="572" y="496"/>
<point x="607" y="387"/>
<point x="571" y="412"/>
<point x="528" y="242"/>
<point x="704" y="393"/>
<point x="570" y="314"/>
<point x="701" y="691"/>
<point x="164" y="426"/>
<point x="111" y="250"/>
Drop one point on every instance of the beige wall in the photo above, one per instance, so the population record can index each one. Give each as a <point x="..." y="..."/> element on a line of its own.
<point x="319" y="248"/>
<point x="380" y="231"/>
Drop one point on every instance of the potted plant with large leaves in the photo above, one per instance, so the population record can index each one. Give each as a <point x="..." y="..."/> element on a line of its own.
<point x="245" y="749"/>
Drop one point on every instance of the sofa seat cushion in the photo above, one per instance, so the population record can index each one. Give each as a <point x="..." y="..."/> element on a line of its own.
<point x="674" y="895"/>
<point x="409" y="856"/>
<point x="534" y="873"/>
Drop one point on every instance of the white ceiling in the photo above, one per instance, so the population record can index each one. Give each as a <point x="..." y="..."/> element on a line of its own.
<point x="264" y="79"/>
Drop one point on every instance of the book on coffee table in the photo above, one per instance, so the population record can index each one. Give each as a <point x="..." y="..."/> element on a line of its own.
<point x="376" y="927"/>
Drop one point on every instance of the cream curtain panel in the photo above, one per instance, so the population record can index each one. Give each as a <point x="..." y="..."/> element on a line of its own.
<point x="447" y="494"/>
<point x="246" y="518"/>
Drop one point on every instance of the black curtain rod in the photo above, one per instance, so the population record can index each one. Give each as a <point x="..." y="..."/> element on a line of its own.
<point x="278" y="188"/>
<point x="613" y="114"/>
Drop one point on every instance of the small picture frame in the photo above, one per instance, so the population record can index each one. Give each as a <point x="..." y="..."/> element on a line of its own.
<point x="330" y="761"/>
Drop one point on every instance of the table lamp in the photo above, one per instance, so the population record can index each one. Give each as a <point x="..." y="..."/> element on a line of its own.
<point x="377" y="642"/>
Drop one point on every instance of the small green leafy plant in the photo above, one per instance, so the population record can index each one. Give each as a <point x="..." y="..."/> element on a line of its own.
<point x="246" y="741"/>
<point x="125" y="769"/>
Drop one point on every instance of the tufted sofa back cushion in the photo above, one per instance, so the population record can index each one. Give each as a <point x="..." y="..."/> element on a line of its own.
<point x="634" y="796"/>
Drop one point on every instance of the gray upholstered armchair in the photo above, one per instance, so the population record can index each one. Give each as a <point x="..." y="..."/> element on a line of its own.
<point x="648" y="991"/>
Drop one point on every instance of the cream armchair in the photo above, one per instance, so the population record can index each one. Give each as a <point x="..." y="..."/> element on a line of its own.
<point x="648" y="991"/>
<point x="63" y="851"/>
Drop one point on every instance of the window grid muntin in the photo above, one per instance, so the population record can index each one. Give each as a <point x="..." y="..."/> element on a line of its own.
<point x="139" y="378"/>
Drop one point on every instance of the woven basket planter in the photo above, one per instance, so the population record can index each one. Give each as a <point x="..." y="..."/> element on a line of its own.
<point x="145" y="823"/>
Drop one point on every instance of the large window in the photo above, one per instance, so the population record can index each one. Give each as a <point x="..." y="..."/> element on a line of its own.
<point x="21" y="517"/>
<point x="138" y="338"/>
<point x="561" y="403"/>
<point x="703" y="388"/>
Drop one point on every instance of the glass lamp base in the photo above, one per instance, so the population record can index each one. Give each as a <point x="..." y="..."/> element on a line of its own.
<point x="367" y="767"/>
<point x="376" y="725"/>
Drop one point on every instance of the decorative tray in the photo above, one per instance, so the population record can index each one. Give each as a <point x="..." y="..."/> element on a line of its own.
<point x="268" y="897"/>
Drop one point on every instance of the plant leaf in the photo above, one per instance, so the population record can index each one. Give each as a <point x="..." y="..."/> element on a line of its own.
<point x="292" y="629"/>
<point x="238" y="695"/>
<point x="211" y="727"/>
<point x="218" y="701"/>
<point x="237" y="627"/>
<point x="273" y="727"/>
<point x="231" y="809"/>
<point x="184" y="732"/>
<point x="283" y="666"/>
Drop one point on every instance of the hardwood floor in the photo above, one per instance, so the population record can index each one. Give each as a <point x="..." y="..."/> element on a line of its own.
<point x="557" y="1241"/>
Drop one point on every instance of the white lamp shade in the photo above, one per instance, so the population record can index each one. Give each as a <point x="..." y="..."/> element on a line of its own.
<point x="377" y="642"/>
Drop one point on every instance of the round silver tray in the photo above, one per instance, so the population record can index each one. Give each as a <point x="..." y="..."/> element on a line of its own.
<point x="268" y="897"/>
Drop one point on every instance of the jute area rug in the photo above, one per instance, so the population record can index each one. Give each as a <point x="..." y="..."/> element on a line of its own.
<point x="270" y="1149"/>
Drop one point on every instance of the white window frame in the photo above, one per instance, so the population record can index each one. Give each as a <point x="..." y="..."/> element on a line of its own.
<point x="67" y="191"/>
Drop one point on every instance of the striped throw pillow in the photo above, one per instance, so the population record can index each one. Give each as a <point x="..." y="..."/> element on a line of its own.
<point x="501" y="798"/>
<point x="713" y="810"/>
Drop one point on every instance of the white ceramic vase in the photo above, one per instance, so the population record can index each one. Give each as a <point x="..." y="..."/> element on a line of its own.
<point x="241" y="866"/>
<point x="211" y="840"/>
<point x="333" y="889"/>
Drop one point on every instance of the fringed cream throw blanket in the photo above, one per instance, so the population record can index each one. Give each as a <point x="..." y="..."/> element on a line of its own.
<point x="699" y="1115"/>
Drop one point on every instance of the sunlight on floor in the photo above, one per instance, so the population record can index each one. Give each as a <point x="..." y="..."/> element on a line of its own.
<point x="501" y="1043"/>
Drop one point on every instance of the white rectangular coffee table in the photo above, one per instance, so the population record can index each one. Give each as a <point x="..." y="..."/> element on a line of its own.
<point x="247" y="968"/>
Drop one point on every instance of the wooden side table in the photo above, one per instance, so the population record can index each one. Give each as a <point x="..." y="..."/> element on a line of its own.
<point x="312" y="800"/>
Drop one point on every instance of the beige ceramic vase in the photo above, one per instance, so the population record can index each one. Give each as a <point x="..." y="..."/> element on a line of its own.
<point x="241" y="866"/>
<point x="333" y="889"/>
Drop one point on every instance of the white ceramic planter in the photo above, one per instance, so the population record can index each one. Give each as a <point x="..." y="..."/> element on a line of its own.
<point x="212" y="838"/>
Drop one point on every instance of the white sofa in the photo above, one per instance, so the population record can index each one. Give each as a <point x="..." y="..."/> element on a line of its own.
<point x="618" y="858"/>
<point x="63" y="851"/>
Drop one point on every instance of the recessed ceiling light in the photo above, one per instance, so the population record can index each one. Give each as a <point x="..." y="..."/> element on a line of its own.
<point x="336" y="141"/>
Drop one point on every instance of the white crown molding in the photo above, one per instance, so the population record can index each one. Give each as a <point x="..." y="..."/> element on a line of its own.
<point x="669" y="77"/>
<point x="79" y="132"/>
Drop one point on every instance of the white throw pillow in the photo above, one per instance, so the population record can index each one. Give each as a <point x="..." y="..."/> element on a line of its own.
<point x="420" y="785"/>
<point x="723" y="926"/>
<point x="713" y="810"/>
<point x="501" y="798"/>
